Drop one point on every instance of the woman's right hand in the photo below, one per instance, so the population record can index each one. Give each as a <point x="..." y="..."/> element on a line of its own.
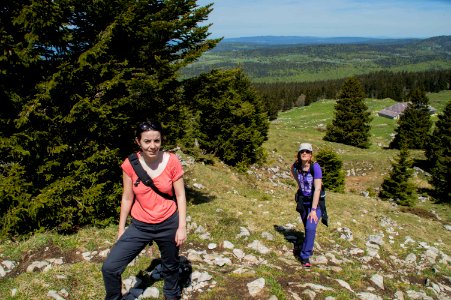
<point x="120" y="232"/>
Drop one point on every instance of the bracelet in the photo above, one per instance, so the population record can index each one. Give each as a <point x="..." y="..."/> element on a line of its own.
<point x="313" y="209"/>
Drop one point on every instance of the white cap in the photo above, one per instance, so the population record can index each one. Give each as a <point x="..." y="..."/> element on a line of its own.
<point x="306" y="146"/>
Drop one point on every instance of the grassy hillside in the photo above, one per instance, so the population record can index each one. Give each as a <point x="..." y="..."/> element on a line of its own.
<point x="261" y="200"/>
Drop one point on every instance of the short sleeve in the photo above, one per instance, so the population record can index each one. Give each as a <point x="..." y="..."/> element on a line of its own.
<point x="127" y="167"/>
<point x="318" y="174"/>
<point x="176" y="169"/>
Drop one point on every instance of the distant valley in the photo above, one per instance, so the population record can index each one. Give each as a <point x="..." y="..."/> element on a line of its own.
<point x="306" y="59"/>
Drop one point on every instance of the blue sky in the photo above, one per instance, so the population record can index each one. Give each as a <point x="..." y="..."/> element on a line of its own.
<point x="330" y="18"/>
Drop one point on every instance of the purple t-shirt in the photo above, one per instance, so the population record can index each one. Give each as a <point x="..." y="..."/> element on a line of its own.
<point x="305" y="179"/>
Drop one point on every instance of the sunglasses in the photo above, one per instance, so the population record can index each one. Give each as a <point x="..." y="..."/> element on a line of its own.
<point x="305" y="151"/>
<point x="147" y="126"/>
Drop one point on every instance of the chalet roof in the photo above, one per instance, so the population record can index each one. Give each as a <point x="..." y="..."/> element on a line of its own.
<point x="393" y="111"/>
<point x="398" y="108"/>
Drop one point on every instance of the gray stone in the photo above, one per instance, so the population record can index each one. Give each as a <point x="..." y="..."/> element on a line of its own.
<point x="150" y="292"/>
<point x="204" y="276"/>
<point x="199" y="186"/>
<point x="346" y="234"/>
<point x="256" y="286"/>
<point x="309" y="294"/>
<point x="411" y="259"/>
<point x="378" y="280"/>
<point x="221" y="261"/>
<point x="53" y="294"/>
<point x="344" y="284"/>
<point x="9" y="264"/>
<point x="205" y="236"/>
<point x="316" y="287"/>
<point x="376" y="239"/>
<point x="228" y="245"/>
<point x="319" y="260"/>
<point x="355" y="251"/>
<point x="259" y="247"/>
<point x="399" y="295"/>
<point x="368" y="296"/>
<point x="40" y="265"/>
<point x="418" y="295"/>
<point x="267" y="236"/>
<point x="238" y="253"/>
<point x="244" y="232"/>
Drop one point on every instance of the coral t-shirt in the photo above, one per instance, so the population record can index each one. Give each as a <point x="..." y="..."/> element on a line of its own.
<point x="149" y="207"/>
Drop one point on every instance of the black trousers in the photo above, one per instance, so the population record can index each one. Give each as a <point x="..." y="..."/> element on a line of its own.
<point x="131" y="243"/>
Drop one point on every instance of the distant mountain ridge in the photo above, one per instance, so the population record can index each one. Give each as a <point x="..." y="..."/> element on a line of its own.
<point x="312" y="40"/>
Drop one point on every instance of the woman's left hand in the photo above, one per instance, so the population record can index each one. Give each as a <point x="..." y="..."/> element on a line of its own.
<point x="180" y="236"/>
<point x="313" y="217"/>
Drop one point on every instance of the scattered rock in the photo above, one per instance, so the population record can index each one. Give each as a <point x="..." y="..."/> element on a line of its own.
<point x="259" y="247"/>
<point x="53" y="294"/>
<point x="378" y="280"/>
<point x="256" y="286"/>
<point x="346" y="234"/>
<point x="368" y="296"/>
<point x="228" y="245"/>
<point x="244" y="232"/>
<point x="199" y="186"/>
<point x="344" y="284"/>
<point x="150" y="292"/>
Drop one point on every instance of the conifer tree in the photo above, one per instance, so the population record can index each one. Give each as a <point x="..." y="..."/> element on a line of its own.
<point x="439" y="156"/>
<point x="76" y="78"/>
<point x="351" y="123"/>
<point x="332" y="167"/>
<point x="414" y="124"/>
<point x="398" y="185"/>
<point x="232" y="120"/>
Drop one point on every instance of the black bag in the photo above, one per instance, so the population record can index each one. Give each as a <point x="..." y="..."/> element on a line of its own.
<point x="322" y="206"/>
<point x="145" y="178"/>
<point x="185" y="271"/>
<point x="299" y="203"/>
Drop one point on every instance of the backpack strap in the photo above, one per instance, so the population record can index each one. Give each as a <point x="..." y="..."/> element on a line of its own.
<point x="323" y="190"/>
<point x="312" y="171"/>
<point x="144" y="177"/>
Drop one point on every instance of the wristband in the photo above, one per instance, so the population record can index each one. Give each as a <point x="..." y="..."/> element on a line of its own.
<point x="313" y="209"/>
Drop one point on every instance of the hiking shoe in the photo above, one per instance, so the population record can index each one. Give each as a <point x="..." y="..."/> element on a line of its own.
<point x="306" y="263"/>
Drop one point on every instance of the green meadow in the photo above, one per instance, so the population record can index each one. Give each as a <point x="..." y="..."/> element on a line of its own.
<point x="261" y="200"/>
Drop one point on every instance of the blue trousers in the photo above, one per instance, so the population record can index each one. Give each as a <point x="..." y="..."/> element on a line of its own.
<point x="310" y="231"/>
<point x="131" y="243"/>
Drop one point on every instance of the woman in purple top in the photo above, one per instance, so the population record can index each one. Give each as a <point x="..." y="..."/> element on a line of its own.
<point x="309" y="189"/>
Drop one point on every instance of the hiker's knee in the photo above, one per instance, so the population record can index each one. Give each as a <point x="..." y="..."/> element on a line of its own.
<point x="110" y="268"/>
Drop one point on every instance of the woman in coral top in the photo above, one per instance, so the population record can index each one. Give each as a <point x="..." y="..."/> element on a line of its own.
<point x="154" y="218"/>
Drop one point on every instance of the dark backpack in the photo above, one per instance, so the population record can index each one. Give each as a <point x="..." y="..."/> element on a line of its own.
<point x="185" y="271"/>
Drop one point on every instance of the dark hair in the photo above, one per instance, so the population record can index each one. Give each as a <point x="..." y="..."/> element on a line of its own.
<point x="146" y="126"/>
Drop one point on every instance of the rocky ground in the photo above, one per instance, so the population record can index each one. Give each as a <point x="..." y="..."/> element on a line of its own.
<point x="214" y="260"/>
